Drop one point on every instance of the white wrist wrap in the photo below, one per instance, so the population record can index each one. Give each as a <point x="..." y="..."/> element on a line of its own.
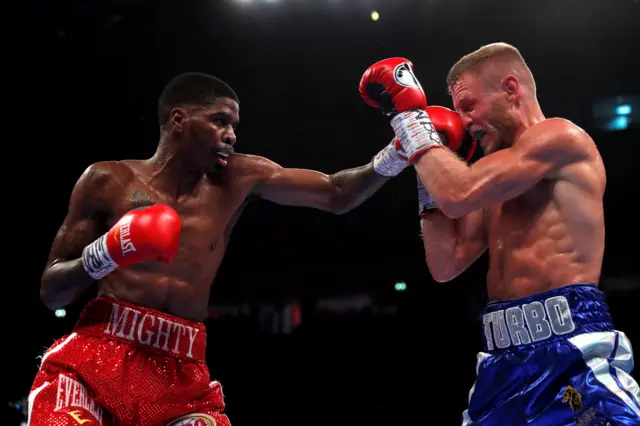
<point x="96" y="260"/>
<point x="415" y="132"/>
<point x="387" y="162"/>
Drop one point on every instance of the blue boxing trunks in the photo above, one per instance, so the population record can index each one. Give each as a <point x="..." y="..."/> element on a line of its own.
<point x="553" y="359"/>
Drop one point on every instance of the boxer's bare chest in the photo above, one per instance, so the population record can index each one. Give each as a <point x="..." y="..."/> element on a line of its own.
<point x="510" y="223"/>
<point x="207" y="212"/>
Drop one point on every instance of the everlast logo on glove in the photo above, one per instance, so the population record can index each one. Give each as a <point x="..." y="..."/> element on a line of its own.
<point x="124" y="235"/>
<point x="529" y="323"/>
<point x="404" y="76"/>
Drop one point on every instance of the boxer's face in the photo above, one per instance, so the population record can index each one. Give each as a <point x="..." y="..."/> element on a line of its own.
<point x="485" y="112"/>
<point x="208" y="132"/>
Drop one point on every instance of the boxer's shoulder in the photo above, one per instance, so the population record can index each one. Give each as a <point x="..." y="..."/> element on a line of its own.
<point x="559" y="133"/>
<point x="556" y="142"/>
<point x="254" y="168"/>
<point x="108" y="172"/>
<point x="100" y="183"/>
<point x="572" y="151"/>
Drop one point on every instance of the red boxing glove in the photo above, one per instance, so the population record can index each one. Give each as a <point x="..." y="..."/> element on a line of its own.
<point x="151" y="233"/>
<point x="391" y="86"/>
<point x="449" y="126"/>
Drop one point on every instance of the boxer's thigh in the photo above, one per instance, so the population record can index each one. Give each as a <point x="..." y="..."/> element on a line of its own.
<point x="210" y="411"/>
<point x="605" y="385"/>
<point x="491" y="399"/>
<point x="597" y="389"/>
<point x="63" y="400"/>
<point x="202" y="418"/>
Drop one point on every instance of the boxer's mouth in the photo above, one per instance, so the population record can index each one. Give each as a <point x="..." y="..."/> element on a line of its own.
<point x="479" y="135"/>
<point x="222" y="156"/>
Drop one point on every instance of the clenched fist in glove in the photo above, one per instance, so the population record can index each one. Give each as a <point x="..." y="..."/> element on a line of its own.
<point x="452" y="133"/>
<point x="151" y="233"/>
<point x="391" y="86"/>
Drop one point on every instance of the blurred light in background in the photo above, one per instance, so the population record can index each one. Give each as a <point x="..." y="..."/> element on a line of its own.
<point x="400" y="286"/>
<point x="61" y="313"/>
<point x="375" y="16"/>
<point x="617" y="113"/>
<point x="623" y="110"/>
<point x="621" y="122"/>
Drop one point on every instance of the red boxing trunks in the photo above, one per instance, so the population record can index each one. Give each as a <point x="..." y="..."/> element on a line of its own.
<point x="127" y="365"/>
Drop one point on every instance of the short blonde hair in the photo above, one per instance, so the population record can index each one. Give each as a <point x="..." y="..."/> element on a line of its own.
<point x="494" y="53"/>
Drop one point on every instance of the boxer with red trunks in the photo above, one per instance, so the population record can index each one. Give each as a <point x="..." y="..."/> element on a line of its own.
<point x="535" y="200"/>
<point x="153" y="233"/>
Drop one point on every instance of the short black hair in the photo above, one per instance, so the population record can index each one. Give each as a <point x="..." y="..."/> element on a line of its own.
<point x="191" y="88"/>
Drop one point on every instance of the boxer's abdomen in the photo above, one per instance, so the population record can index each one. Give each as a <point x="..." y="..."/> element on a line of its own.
<point x="543" y="240"/>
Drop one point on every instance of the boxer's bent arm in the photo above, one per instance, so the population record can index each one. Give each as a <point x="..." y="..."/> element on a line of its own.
<point x="459" y="189"/>
<point x="337" y="193"/>
<point x="452" y="245"/>
<point x="64" y="278"/>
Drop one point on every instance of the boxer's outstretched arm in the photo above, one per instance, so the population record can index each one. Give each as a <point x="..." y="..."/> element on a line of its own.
<point x="64" y="279"/>
<point x="337" y="193"/>
<point x="452" y="245"/>
<point x="459" y="189"/>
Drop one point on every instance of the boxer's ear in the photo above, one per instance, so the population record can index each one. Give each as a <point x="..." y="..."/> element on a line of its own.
<point x="177" y="118"/>
<point x="511" y="86"/>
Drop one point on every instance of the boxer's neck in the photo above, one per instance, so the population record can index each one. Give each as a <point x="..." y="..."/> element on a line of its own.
<point x="529" y="113"/>
<point x="173" y="171"/>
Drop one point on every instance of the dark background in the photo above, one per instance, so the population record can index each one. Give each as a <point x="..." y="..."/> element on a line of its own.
<point x="363" y="353"/>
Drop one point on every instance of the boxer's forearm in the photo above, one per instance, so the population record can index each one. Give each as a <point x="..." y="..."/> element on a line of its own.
<point x="452" y="245"/>
<point x="63" y="282"/>
<point x="441" y="240"/>
<point x="446" y="178"/>
<point x="354" y="186"/>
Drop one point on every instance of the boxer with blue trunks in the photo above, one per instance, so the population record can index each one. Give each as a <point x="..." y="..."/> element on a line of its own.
<point x="535" y="201"/>
<point x="553" y="358"/>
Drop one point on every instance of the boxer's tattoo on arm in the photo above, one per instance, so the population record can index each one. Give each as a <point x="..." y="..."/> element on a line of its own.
<point x="139" y="199"/>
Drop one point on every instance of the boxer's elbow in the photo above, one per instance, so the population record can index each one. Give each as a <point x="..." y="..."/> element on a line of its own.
<point x="339" y="207"/>
<point x="449" y="264"/>
<point x="441" y="277"/>
<point x="442" y="273"/>
<point x="61" y="282"/>
<point x="454" y="205"/>
<point x="452" y="211"/>
<point x="455" y="199"/>
<point x="441" y="265"/>
<point x="341" y="202"/>
<point x="47" y="298"/>
<point x="48" y="295"/>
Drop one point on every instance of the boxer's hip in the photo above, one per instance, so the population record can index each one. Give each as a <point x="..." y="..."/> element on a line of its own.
<point x="143" y="328"/>
<point x="141" y="365"/>
<point x="559" y="314"/>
